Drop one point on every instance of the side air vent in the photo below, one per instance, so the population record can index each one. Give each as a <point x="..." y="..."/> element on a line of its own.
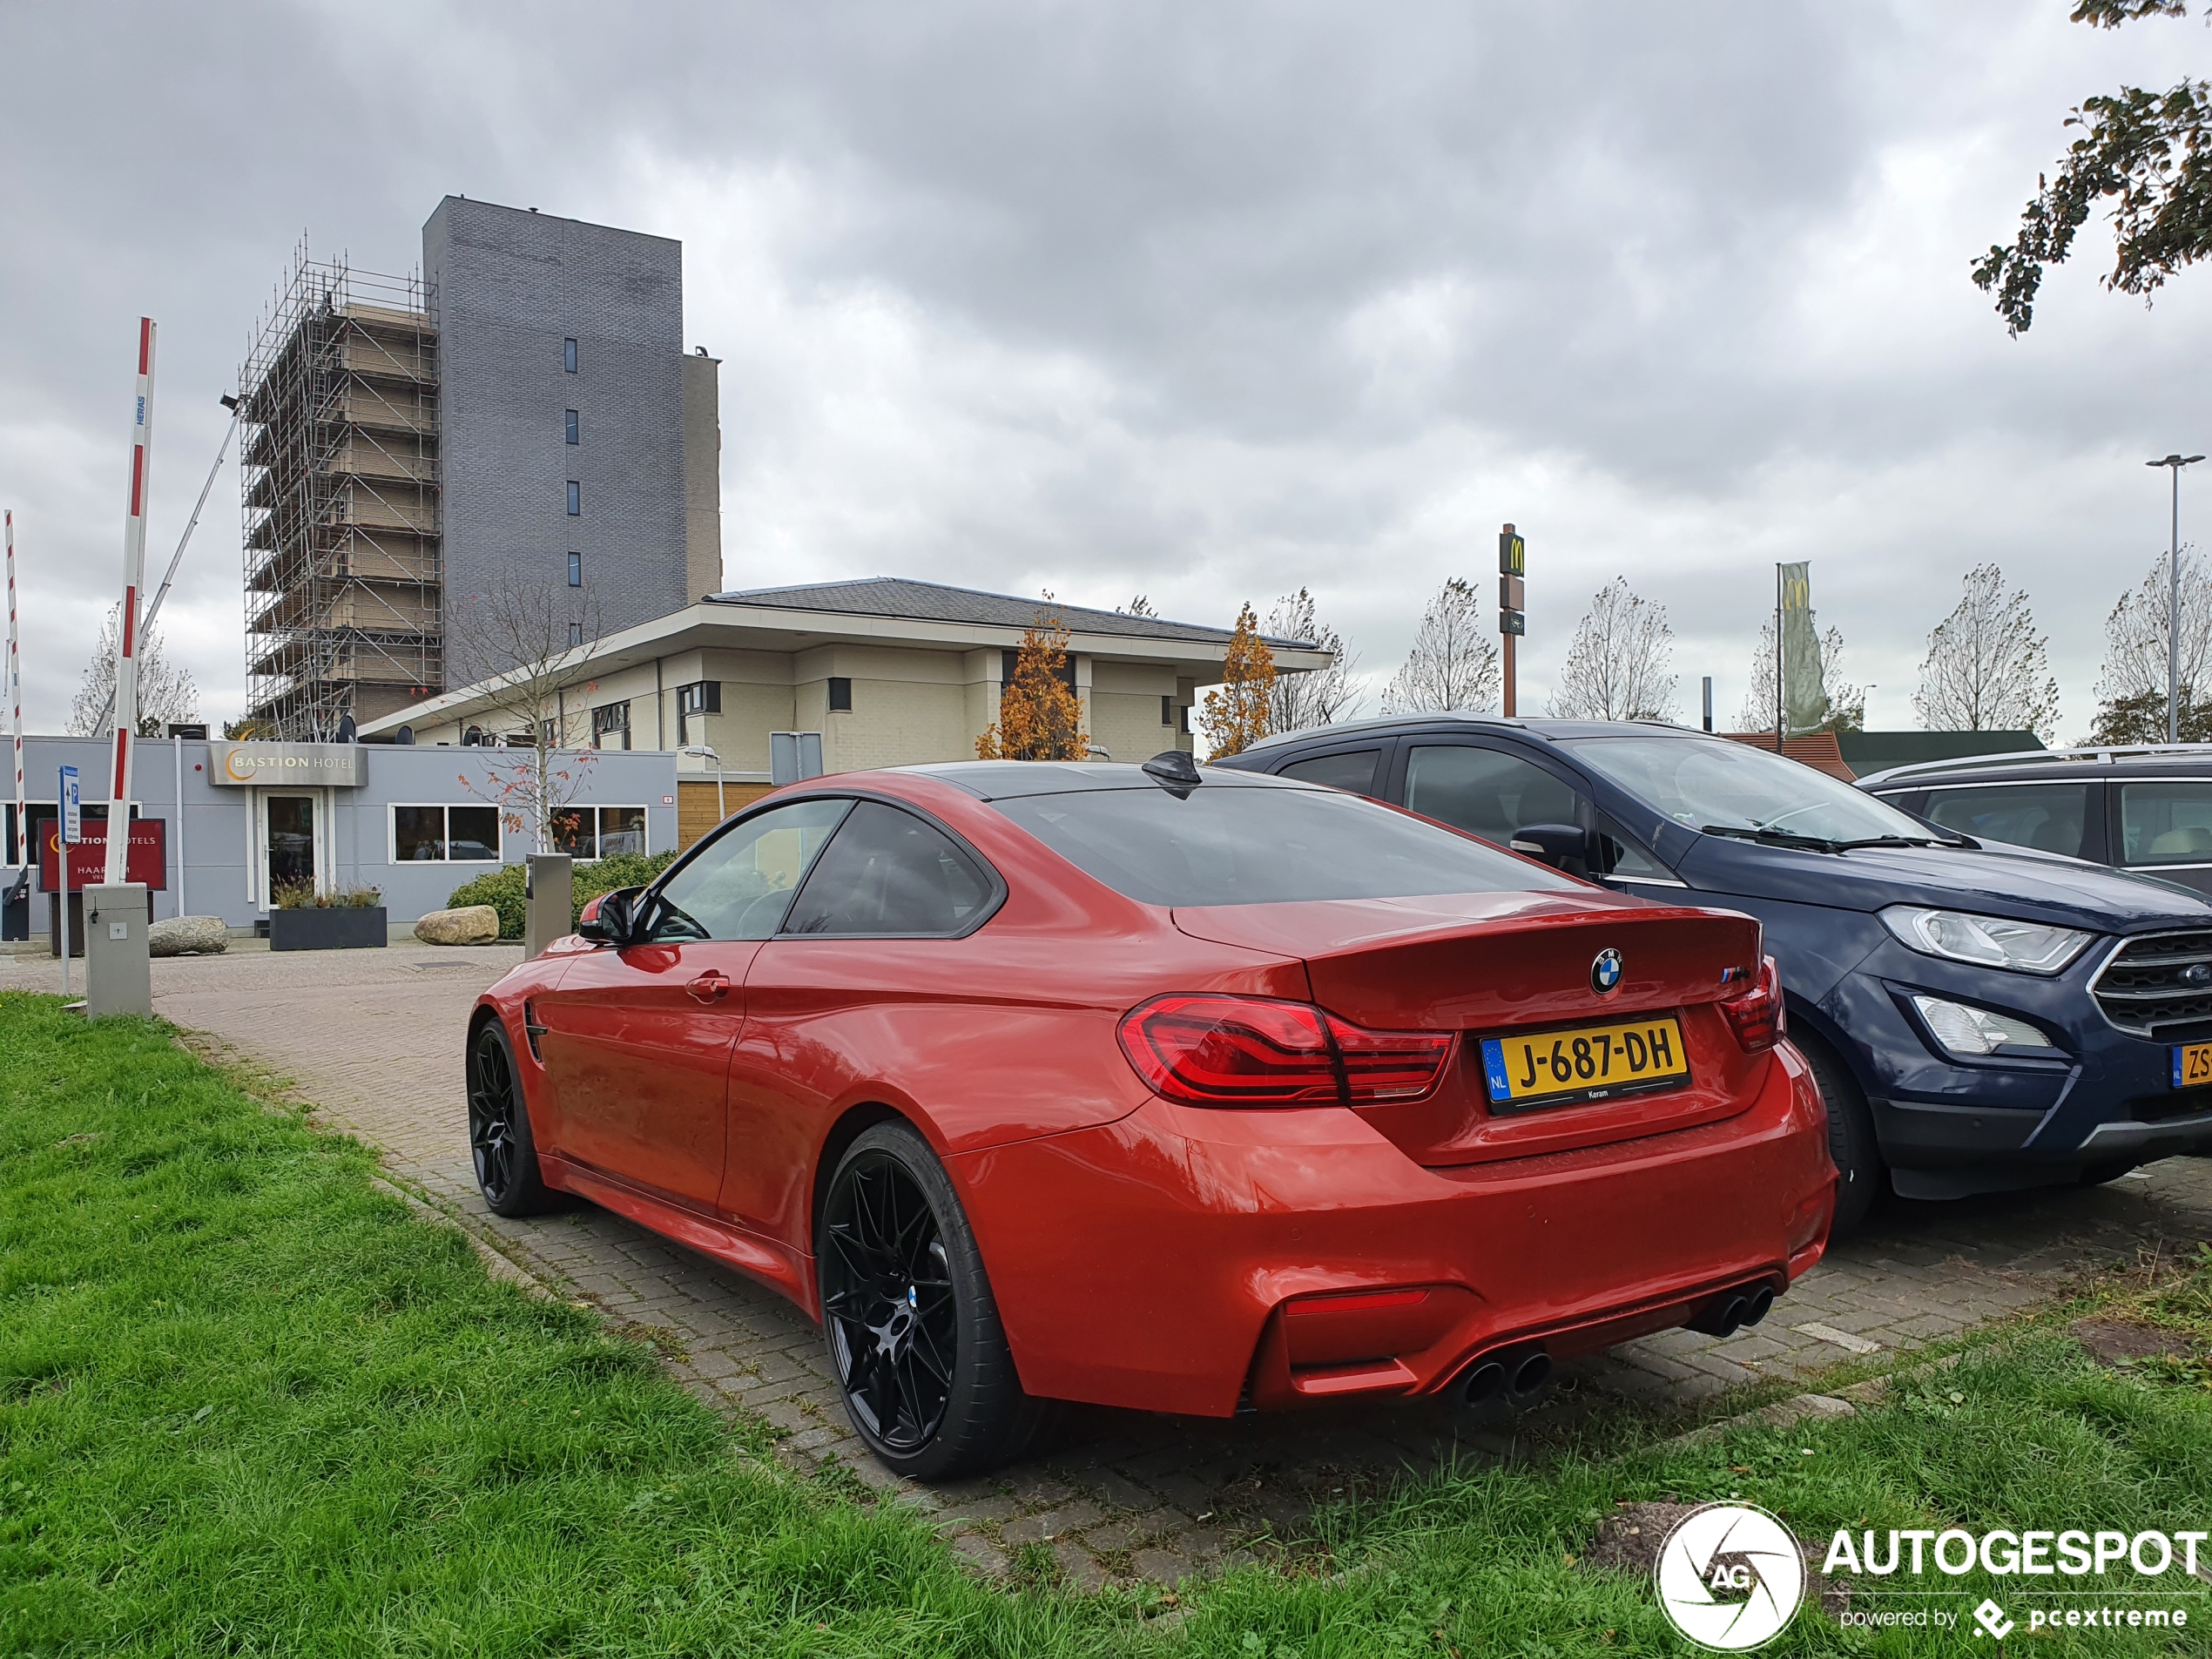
<point x="2157" y="982"/>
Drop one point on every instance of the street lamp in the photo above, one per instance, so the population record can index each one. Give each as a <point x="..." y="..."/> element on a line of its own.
<point x="2174" y="601"/>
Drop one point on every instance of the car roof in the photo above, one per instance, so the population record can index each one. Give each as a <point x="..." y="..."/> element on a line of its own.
<point x="2040" y="765"/>
<point x="1388" y="725"/>
<point x="1007" y="779"/>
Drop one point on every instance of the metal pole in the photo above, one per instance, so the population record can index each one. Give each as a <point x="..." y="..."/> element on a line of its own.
<point x="178" y="744"/>
<point x="1709" y="702"/>
<point x="2173" y="618"/>
<point x="19" y="845"/>
<point x="1778" y="659"/>
<point x="126" y="643"/>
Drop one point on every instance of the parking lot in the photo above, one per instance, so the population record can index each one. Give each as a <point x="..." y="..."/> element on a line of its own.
<point x="373" y="1040"/>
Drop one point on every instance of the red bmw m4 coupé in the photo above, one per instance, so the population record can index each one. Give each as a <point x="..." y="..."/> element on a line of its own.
<point x="1162" y="1088"/>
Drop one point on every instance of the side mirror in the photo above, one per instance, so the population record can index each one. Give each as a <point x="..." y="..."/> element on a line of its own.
<point x="1564" y="847"/>
<point x="607" y="919"/>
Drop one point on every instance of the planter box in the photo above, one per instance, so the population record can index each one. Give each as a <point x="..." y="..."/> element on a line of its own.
<point x="349" y="928"/>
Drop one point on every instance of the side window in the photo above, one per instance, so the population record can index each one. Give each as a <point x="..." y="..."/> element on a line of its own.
<point x="1351" y="769"/>
<point x="1626" y="858"/>
<point x="2165" y="823"/>
<point x="742" y="882"/>
<point x="889" y="874"/>
<point x="2049" y="817"/>
<point x="1486" y="790"/>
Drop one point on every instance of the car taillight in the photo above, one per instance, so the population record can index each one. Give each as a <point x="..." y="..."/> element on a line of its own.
<point x="1388" y="1065"/>
<point x="1757" y="1017"/>
<point x="1260" y="1051"/>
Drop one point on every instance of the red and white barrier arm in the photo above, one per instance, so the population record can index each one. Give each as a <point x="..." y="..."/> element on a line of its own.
<point x="126" y="632"/>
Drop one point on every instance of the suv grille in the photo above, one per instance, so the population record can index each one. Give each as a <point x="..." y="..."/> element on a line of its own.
<point x="2157" y="980"/>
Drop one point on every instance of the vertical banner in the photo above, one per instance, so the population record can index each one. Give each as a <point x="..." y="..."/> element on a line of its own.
<point x="127" y="626"/>
<point x="1804" y="701"/>
<point x="19" y="847"/>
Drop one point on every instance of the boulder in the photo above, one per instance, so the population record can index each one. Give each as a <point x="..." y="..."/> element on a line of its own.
<point x="187" y="935"/>
<point x="476" y="924"/>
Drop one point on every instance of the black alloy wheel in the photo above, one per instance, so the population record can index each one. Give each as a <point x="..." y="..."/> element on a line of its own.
<point x="499" y="1142"/>
<point x="914" y="1333"/>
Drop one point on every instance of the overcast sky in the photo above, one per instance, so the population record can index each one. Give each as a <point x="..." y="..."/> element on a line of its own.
<point x="1206" y="302"/>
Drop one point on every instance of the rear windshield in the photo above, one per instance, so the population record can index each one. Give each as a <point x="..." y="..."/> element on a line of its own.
<point x="1227" y="845"/>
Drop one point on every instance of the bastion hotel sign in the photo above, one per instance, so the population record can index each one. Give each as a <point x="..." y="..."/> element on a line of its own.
<point x="307" y="766"/>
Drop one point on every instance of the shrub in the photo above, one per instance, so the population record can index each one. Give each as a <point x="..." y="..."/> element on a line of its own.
<point x="503" y="889"/>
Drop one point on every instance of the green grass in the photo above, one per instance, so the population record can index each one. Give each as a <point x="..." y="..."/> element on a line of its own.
<point x="249" y="1404"/>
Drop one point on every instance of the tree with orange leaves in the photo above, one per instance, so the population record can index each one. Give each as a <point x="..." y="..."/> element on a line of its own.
<point x="1236" y="714"/>
<point x="1040" y="716"/>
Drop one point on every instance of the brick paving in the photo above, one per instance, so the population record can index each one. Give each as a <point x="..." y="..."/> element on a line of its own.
<point x="375" y="1038"/>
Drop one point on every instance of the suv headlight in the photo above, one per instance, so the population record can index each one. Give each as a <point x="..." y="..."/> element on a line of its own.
<point x="1987" y="941"/>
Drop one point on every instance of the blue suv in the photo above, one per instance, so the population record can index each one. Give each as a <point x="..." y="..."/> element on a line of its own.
<point x="1981" y="1018"/>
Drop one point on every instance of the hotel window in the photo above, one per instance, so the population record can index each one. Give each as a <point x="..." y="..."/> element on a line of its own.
<point x="572" y="435"/>
<point x="611" y="726"/>
<point x="576" y="499"/>
<point x="568" y="355"/>
<point x="841" y="693"/>
<point x="576" y="576"/>
<point x="1167" y="710"/>
<point x="445" y="835"/>
<point x="575" y="635"/>
<point x="599" y="832"/>
<point x="701" y="696"/>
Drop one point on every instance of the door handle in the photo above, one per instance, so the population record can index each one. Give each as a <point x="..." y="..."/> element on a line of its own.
<point x="711" y="987"/>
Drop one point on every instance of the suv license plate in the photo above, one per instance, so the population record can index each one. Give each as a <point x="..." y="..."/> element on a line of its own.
<point x="1587" y="1063"/>
<point x="2192" y="1065"/>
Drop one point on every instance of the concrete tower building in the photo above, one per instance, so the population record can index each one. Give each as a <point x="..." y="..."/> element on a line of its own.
<point x="519" y="422"/>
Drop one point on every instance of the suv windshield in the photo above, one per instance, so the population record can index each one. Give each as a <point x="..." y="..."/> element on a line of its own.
<point x="1711" y="783"/>
<point x="1230" y="845"/>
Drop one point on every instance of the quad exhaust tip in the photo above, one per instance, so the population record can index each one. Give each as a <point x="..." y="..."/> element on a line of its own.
<point x="1734" y="1310"/>
<point x="1518" y="1376"/>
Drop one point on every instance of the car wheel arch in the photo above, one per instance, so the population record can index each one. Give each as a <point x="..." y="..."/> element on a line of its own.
<point x="853" y="1122"/>
<point x="1805" y="1018"/>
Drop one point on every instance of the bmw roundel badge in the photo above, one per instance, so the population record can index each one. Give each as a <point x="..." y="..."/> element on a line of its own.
<point x="1605" y="972"/>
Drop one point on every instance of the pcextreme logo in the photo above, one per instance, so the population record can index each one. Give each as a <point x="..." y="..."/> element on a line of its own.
<point x="1730" y="1577"/>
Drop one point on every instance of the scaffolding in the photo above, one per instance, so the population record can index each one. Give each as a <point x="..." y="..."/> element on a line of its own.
<point x="340" y="401"/>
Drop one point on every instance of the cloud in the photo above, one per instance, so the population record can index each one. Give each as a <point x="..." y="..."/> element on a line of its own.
<point x="1208" y="303"/>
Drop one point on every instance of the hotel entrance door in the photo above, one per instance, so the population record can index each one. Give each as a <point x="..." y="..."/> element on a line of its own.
<point x="288" y="854"/>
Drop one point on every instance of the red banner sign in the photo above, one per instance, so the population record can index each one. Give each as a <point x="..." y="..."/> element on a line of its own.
<point x="146" y="860"/>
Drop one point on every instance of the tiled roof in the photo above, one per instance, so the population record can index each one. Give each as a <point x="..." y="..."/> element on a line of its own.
<point x="1817" y="750"/>
<point x="891" y="595"/>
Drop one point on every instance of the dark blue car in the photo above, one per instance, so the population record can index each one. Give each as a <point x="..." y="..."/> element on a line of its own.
<point x="1981" y="1018"/>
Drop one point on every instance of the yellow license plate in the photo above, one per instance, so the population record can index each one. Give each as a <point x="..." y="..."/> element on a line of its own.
<point x="1587" y="1062"/>
<point x="2193" y="1065"/>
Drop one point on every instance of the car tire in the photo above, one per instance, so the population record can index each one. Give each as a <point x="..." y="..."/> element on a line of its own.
<point x="501" y="1145"/>
<point x="1861" y="1177"/>
<point x="912" y="1330"/>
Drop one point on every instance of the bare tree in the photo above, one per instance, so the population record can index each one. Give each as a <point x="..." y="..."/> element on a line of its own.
<point x="1986" y="669"/>
<point x="167" y="691"/>
<point x="521" y="644"/>
<point x="1454" y="663"/>
<point x="1617" y="664"/>
<point x="1846" y="702"/>
<point x="2134" y="665"/>
<point x="1299" y="701"/>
